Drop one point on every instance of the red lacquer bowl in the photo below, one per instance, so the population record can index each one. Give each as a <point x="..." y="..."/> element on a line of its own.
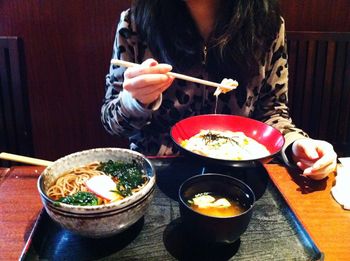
<point x="268" y="136"/>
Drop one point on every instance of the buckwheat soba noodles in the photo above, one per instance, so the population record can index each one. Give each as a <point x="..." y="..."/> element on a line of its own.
<point x="225" y="145"/>
<point x="72" y="181"/>
<point x="98" y="183"/>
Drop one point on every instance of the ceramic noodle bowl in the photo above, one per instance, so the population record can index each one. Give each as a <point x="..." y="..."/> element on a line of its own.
<point x="262" y="133"/>
<point x="100" y="220"/>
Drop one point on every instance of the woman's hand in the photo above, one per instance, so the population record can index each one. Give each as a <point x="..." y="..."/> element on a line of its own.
<point x="316" y="158"/>
<point x="146" y="82"/>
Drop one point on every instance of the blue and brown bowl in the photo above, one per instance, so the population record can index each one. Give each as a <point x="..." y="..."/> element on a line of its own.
<point x="101" y="220"/>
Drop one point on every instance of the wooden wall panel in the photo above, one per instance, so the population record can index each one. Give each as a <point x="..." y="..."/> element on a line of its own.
<point x="15" y="124"/>
<point x="67" y="46"/>
<point x="319" y="85"/>
<point x="316" y="15"/>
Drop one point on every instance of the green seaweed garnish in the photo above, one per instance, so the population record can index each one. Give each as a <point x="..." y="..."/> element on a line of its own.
<point x="80" y="198"/>
<point x="129" y="175"/>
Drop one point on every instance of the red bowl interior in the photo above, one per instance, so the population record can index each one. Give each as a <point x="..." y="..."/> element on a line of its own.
<point x="268" y="136"/>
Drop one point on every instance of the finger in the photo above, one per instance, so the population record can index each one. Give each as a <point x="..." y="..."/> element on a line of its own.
<point x="150" y="93"/>
<point x="320" y="174"/>
<point x="149" y="62"/>
<point x="143" y="82"/>
<point x="159" y="88"/>
<point x="307" y="162"/>
<point x="167" y="84"/>
<point x="304" y="148"/>
<point x="132" y="70"/>
<point x="325" y="160"/>
<point x="325" y="170"/>
<point x="303" y="165"/>
<point x="310" y="150"/>
<point x="319" y="164"/>
<point x="147" y="90"/>
<point x="142" y="70"/>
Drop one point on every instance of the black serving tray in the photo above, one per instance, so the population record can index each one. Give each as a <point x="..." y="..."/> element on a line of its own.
<point x="274" y="232"/>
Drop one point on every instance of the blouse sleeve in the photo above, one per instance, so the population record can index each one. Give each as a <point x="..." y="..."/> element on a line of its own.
<point x="121" y="114"/>
<point x="272" y="104"/>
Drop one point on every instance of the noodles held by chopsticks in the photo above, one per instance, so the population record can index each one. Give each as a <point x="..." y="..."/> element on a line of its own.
<point x="229" y="84"/>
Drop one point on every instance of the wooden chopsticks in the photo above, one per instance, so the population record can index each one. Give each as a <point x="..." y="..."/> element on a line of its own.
<point x="182" y="76"/>
<point x="24" y="159"/>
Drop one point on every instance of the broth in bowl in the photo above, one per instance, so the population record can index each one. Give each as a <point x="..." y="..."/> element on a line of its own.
<point x="215" y="205"/>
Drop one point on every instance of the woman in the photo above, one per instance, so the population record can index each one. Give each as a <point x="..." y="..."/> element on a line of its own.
<point x="210" y="39"/>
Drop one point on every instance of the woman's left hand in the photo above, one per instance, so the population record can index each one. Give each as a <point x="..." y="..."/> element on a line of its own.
<point x="316" y="158"/>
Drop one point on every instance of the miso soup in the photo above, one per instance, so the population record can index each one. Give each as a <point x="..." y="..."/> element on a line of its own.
<point x="215" y="205"/>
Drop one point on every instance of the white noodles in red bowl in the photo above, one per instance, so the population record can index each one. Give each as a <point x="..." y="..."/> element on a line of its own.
<point x="227" y="139"/>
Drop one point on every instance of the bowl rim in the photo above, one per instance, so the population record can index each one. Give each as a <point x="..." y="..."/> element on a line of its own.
<point x="103" y="207"/>
<point x="182" y="202"/>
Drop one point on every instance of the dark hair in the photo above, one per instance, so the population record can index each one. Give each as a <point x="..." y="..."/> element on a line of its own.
<point x="243" y="33"/>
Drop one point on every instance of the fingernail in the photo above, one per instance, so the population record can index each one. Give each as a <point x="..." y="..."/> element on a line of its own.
<point x="307" y="171"/>
<point x="167" y="66"/>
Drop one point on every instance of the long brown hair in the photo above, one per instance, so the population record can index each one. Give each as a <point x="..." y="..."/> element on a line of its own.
<point x="243" y="33"/>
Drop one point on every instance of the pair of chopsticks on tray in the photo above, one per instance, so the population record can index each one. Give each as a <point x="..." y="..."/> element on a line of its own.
<point x="227" y="87"/>
<point x="24" y="159"/>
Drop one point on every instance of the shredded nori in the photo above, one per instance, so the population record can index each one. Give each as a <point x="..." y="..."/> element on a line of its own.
<point x="211" y="137"/>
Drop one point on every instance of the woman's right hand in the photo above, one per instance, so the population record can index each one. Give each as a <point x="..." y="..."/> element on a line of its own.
<point x="146" y="82"/>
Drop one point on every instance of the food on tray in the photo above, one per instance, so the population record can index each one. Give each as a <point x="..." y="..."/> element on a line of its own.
<point x="225" y="145"/>
<point x="98" y="183"/>
<point x="215" y="205"/>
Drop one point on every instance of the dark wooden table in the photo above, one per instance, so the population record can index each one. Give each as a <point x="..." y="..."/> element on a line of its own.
<point x="19" y="207"/>
<point x="326" y="222"/>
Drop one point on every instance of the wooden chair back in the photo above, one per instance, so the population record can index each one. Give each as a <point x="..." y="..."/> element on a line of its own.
<point x="15" y="120"/>
<point x="319" y="85"/>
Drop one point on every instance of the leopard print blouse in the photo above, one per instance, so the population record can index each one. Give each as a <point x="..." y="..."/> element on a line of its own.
<point x="264" y="99"/>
